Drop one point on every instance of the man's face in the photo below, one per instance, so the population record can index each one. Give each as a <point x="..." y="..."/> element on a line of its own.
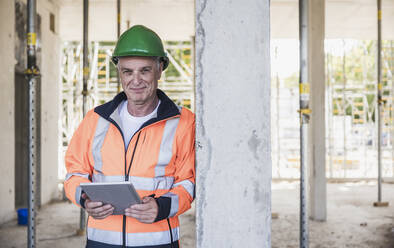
<point x="139" y="77"/>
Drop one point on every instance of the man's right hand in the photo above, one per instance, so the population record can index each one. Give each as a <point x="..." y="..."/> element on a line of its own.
<point x="96" y="209"/>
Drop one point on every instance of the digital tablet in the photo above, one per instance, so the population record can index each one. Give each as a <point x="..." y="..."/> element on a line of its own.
<point x="120" y="195"/>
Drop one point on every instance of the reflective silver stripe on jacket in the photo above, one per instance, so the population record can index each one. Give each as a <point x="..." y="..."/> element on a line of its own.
<point x="165" y="153"/>
<point x="98" y="140"/>
<point x="188" y="185"/>
<point x="174" y="203"/>
<point x="167" y="141"/>
<point x="133" y="239"/>
<point x="140" y="183"/>
<point x="69" y="175"/>
<point x="78" y="193"/>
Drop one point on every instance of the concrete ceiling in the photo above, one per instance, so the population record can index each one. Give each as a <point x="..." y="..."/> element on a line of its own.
<point x="174" y="19"/>
<point x="171" y="19"/>
<point x="355" y="19"/>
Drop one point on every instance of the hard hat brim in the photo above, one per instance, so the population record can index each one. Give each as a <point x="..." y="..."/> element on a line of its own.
<point x="164" y="60"/>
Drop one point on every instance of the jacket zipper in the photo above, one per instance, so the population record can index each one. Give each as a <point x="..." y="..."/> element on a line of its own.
<point x="127" y="172"/>
<point x="169" y="227"/>
<point x="131" y="161"/>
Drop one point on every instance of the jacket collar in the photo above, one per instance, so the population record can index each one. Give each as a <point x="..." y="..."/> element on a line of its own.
<point x="167" y="107"/>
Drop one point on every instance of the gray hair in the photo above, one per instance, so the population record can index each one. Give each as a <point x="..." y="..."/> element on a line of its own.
<point x="156" y="59"/>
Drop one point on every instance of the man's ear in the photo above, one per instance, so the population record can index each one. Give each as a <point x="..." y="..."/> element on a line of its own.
<point x="160" y="71"/>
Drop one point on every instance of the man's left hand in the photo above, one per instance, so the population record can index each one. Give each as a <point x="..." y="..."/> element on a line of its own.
<point x="146" y="212"/>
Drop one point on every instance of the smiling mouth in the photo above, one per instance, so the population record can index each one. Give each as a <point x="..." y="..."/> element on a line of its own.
<point x="137" y="89"/>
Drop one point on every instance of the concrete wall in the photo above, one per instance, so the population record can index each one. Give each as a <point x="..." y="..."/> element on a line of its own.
<point x="50" y="100"/>
<point x="7" y="62"/>
<point x="50" y="71"/>
<point x="171" y="19"/>
<point x="233" y="124"/>
<point x="317" y="127"/>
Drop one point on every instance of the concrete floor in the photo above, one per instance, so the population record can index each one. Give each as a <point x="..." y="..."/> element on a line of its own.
<point x="352" y="221"/>
<point x="57" y="224"/>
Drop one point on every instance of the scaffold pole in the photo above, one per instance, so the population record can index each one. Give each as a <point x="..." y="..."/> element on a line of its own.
<point x="304" y="121"/>
<point x="344" y="108"/>
<point x="379" y="70"/>
<point x="379" y="203"/>
<point x="277" y="122"/>
<point x="32" y="73"/>
<point x="82" y="217"/>
<point x="118" y="16"/>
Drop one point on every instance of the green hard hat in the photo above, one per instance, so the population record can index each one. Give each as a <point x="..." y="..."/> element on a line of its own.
<point x="140" y="41"/>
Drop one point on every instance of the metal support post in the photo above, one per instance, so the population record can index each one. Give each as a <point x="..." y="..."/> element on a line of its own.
<point x="344" y="109"/>
<point x="31" y="73"/>
<point x="391" y="67"/>
<point x="379" y="203"/>
<point x="85" y="54"/>
<point x="193" y="64"/>
<point x="379" y="115"/>
<point x="304" y="120"/>
<point x="118" y="22"/>
<point x="277" y="122"/>
<point x="330" y="113"/>
<point x="118" y="16"/>
<point x="82" y="217"/>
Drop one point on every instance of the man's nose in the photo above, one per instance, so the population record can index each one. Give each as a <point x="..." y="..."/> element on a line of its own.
<point x="136" y="79"/>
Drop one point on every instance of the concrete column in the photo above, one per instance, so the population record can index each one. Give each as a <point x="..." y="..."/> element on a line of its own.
<point x="317" y="142"/>
<point x="50" y="100"/>
<point x="7" y="120"/>
<point x="233" y="123"/>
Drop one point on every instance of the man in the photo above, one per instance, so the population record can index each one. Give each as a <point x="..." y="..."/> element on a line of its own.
<point x="140" y="136"/>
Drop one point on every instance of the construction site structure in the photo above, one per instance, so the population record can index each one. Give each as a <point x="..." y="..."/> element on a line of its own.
<point x="351" y="138"/>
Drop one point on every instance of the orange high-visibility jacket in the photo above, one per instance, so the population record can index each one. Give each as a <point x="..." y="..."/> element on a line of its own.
<point x="158" y="160"/>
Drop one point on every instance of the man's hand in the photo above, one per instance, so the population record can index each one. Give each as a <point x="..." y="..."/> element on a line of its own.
<point x="96" y="209"/>
<point x="145" y="212"/>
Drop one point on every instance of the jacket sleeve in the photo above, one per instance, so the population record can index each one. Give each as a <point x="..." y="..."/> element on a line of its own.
<point x="180" y="197"/>
<point x="77" y="163"/>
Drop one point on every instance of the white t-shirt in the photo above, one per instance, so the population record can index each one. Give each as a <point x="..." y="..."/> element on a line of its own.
<point x="130" y="124"/>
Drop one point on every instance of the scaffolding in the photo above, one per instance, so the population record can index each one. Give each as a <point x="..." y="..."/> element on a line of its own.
<point x="102" y="83"/>
<point x="350" y="117"/>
